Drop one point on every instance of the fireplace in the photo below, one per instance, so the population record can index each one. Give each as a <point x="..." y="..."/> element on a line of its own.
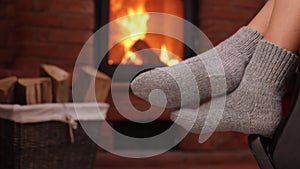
<point x="158" y="50"/>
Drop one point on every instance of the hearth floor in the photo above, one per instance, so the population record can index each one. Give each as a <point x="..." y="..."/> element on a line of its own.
<point x="180" y="160"/>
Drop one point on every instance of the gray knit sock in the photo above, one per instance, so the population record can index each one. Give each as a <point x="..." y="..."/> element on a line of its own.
<point x="234" y="53"/>
<point x="255" y="106"/>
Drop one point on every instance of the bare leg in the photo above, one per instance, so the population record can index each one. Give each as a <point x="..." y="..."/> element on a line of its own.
<point x="255" y="106"/>
<point x="261" y="21"/>
<point x="284" y="27"/>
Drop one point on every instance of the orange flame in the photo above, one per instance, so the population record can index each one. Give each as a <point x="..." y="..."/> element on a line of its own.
<point x="131" y="57"/>
<point x="136" y="26"/>
<point x="165" y="58"/>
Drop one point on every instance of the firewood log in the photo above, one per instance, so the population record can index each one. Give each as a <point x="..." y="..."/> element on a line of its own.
<point x="7" y="88"/>
<point x="96" y="84"/>
<point x="148" y="55"/>
<point x="34" y="91"/>
<point x="60" y="82"/>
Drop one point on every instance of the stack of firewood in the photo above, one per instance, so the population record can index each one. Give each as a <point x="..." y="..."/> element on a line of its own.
<point x="53" y="86"/>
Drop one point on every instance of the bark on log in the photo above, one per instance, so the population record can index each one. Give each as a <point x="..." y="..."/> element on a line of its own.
<point x="34" y="91"/>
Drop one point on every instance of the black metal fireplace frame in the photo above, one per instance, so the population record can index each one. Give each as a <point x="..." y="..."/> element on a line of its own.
<point x="190" y="8"/>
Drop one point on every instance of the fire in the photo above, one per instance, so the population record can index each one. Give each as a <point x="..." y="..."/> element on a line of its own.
<point x="165" y="58"/>
<point x="131" y="57"/>
<point x="136" y="26"/>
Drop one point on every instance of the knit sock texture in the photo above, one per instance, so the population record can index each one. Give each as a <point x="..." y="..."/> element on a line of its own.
<point x="255" y="106"/>
<point x="234" y="54"/>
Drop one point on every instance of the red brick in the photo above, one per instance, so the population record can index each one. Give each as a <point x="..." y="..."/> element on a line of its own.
<point x="74" y="51"/>
<point x="43" y="5"/>
<point x="214" y="2"/>
<point x="40" y="50"/>
<point x="70" y="51"/>
<point x="7" y="29"/>
<point x="25" y="72"/>
<point x="33" y="5"/>
<point x="218" y="30"/>
<point x="248" y="3"/>
<point x="11" y="38"/>
<point x="218" y="141"/>
<point x="25" y="5"/>
<point x="180" y="160"/>
<point x="213" y="25"/>
<point x="236" y="26"/>
<point x="229" y="13"/>
<point x="220" y="20"/>
<point x="6" y="56"/>
<point x="2" y="13"/>
<point x="22" y="63"/>
<point x="3" y="25"/>
<point x="216" y="39"/>
<point x="68" y="65"/>
<point x="8" y="11"/>
<point x="76" y="21"/>
<point x="38" y="19"/>
<point x="4" y="72"/>
<point x="2" y="40"/>
<point x="72" y="6"/>
<point x="43" y="35"/>
<point x="24" y="34"/>
<point x="64" y="36"/>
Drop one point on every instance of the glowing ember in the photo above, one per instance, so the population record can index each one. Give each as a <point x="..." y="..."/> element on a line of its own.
<point x="130" y="57"/>
<point x="165" y="58"/>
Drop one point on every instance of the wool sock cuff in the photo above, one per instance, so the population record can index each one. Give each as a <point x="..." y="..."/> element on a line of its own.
<point x="273" y="64"/>
<point x="245" y="40"/>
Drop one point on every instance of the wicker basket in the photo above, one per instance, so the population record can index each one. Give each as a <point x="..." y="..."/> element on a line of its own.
<point x="46" y="145"/>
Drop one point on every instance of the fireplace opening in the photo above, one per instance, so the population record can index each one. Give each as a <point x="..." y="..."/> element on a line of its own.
<point x="125" y="51"/>
<point x="142" y="50"/>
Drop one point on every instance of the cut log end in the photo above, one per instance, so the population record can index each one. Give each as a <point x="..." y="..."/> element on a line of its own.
<point x="7" y="90"/>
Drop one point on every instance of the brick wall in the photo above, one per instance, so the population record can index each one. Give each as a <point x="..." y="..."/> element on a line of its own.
<point x="44" y="31"/>
<point x="7" y="38"/>
<point x="53" y="31"/>
<point x="221" y="18"/>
